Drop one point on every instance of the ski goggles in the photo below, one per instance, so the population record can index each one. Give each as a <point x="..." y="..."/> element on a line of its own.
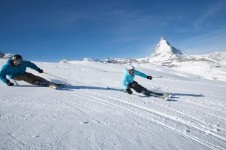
<point x="131" y="71"/>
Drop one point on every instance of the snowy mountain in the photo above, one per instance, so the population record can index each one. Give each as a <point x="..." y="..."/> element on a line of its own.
<point x="216" y="57"/>
<point x="119" y="60"/>
<point x="164" y="52"/>
<point x="89" y="115"/>
<point x="5" y="56"/>
<point x="8" y="55"/>
<point x="209" y="66"/>
<point x="106" y="61"/>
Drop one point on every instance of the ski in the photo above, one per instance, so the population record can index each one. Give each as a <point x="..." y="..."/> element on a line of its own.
<point x="56" y="86"/>
<point x="163" y="96"/>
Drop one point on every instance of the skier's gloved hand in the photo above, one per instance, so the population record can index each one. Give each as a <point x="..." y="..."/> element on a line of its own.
<point x="149" y="77"/>
<point x="10" y="83"/>
<point x="129" y="91"/>
<point x="40" y="70"/>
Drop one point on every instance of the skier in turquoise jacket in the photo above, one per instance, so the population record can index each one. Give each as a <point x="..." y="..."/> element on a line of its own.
<point x="15" y="68"/>
<point x="128" y="82"/>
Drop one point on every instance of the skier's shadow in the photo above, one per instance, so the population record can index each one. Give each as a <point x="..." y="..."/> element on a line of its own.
<point x="72" y="87"/>
<point x="175" y="96"/>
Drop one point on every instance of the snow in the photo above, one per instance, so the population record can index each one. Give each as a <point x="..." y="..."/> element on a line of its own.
<point x="210" y="66"/>
<point x="89" y="115"/>
<point x="217" y="57"/>
<point x="5" y="56"/>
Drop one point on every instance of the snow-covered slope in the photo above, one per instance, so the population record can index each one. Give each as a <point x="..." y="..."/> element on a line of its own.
<point x="88" y="115"/>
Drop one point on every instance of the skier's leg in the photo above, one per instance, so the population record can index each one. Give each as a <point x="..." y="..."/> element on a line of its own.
<point x="32" y="79"/>
<point x="22" y="77"/>
<point x="138" y="88"/>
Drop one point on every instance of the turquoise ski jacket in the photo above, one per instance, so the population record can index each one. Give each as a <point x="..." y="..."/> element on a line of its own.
<point x="10" y="70"/>
<point x="128" y="78"/>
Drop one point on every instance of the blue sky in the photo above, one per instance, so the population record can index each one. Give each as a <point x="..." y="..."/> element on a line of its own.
<point x="50" y="30"/>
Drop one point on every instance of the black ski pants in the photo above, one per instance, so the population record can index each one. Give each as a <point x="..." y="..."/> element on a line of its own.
<point x="30" y="78"/>
<point x="137" y="87"/>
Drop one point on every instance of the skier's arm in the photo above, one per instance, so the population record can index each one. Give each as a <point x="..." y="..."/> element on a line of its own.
<point x="138" y="73"/>
<point x="3" y="74"/>
<point x="124" y="83"/>
<point x="31" y="65"/>
<point x="124" y="80"/>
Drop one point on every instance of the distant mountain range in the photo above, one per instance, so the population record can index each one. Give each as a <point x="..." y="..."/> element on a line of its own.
<point x="164" y="54"/>
<point x="210" y="66"/>
<point x="167" y="55"/>
<point x="5" y="56"/>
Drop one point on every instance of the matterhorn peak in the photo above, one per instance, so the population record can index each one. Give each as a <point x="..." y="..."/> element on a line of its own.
<point x="162" y="38"/>
<point x="164" y="51"/>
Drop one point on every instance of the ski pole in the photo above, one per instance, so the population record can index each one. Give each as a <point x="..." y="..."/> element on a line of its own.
<point x="55" y="76"/>
<point x="15" y="82"/>
<point x="157" y="77"/>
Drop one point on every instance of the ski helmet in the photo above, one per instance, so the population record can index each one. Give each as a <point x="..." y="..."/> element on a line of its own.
<point x="130" y="67"/>
<point x="17" y="59"/>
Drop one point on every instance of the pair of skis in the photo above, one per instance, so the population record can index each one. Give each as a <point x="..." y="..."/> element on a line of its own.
<point x="163" y="96"/>
<point x="52" y="85"/>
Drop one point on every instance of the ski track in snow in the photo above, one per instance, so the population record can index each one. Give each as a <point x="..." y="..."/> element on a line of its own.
<point x="180" y="119"/>
<point x="94" y="117"/>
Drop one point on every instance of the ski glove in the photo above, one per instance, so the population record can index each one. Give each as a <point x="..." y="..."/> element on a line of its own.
<point x="10" y="83"/>
<point x="129" y="91"/>
<point x="149" y="77"/>
<point x="40" y="70"/>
